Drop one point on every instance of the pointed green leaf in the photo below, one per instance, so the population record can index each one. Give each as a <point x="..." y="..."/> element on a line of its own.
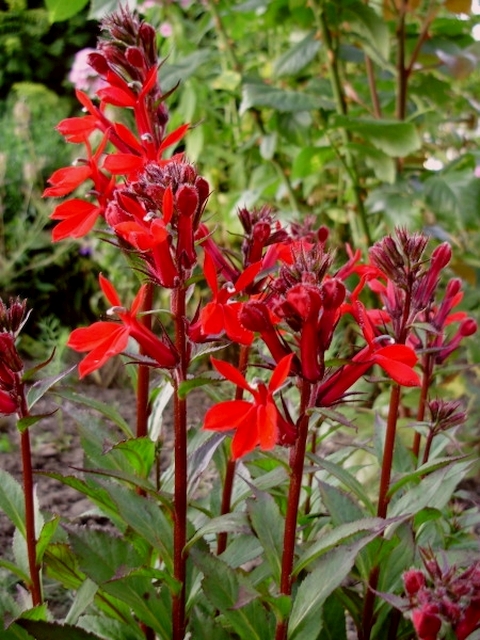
<point x="100" y="554"/>
<point x="106" y="410"/>
<point x="306" y="619"/>
<point x="339" y="535"/>
<point x="83" y="599"/>
<point x="40" y="388"/>
<point x="12" y="501"/>
<point x="333" y="616"/>
<point x="234" y="522"/>
<point x="269" y="525"/>
<point x="298" y="57"/>
<point x="365" y="21"/>
<point x="46" y="534"/>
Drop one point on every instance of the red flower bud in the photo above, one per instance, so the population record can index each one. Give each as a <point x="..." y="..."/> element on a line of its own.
<point x="426" y="622"/>
<point x="414" y="580"/>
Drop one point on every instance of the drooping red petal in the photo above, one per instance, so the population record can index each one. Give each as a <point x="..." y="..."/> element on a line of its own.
<point x="246" y="437"/>
<point x="137" y="303"/>
<point x="115" y="343"/>
<point x="76" y="130"/>
<point x="399" y="352"/>
<point x="77" y="218"/>
<point x="87" y="338"/>
<point x="225" y="416"/>
<point x="229" y="372"/>
<point x="66" y="180"/>
<point x="127" y="137"/>
<point x="402" y="373"/>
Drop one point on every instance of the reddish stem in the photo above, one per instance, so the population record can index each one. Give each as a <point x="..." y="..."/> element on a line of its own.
<point x="296" y="476"/>
<point x="35" y="586"/>
<point x="180" y="458"/>
<point x="422" y="405"/>
<point x="231" y="464"/>
<point x="143" y="391"/>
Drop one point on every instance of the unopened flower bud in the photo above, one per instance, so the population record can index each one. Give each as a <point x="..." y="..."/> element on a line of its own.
<point x="426" y="622"/>
<point x="254" y="316"/>
<point x="468" y="327"/>
<point x="187" y="200"/>
<point x="98" y="63"/>
<point x="135" y="57"/>
<point x="414" y="580"/>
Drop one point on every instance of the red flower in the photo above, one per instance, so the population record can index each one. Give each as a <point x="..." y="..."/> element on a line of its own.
<point x="426" y="622"/>
<point x="222" y="315"/>
<point x="255" y="423"/>
<point x="106" y="339"/>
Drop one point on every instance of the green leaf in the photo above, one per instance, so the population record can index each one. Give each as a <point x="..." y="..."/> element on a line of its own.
<point x="417" y="475"/>
<point x="298" y="57"/>
<point x="333" y="567"/>
<point x="146" y="518"/>
<point x="111" y="629"/>
<point x="347" y="479"/>
<point x="333" y="616"/>
<point x="434" y="491"/>
<point x="45" y="537"/>
<point x="12" y="501"/>
<point x="283" y="100"/>
<point x="83" y="599"/>
<point x="339" y="535"/>
<point x="101" y="555"/>
<point x="171" y="74"/>
<point x="187" y="386"/>
<point x="396" y="139"/>
<point x="106" y="410"/>
<point x="40" y="388"/>
<point x="234" y="522"/>
<point x="42" y="630"/>
<point x="366" y="22"/>
<point x="148" y="604"/>
<point x="268" y="524"/>
<point x="63" y="566"/>
<point x="16" y="570"/>
<point x="135" y="455"/>
<point x="381" y="164"/>
<point x="59" y="10"/>
<point x="310" y="160"/>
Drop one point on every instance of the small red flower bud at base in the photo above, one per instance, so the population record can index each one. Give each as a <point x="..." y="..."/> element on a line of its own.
<point x="426" y="622"/>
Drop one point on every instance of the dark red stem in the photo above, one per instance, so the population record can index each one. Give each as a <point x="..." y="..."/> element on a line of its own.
<point x="35" y="586"/>
<point x="143" y="391"/>
<point x="296" y="476"/>
<point x="180" y="458"/>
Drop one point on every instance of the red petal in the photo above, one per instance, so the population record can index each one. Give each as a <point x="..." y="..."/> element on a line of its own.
<point x="127" y="136"/>
<point x="210" y="272"/>
<point x="123" y="163"/>
<point x="246" y="437"/>
<point x="211" y="319"/>
<point x="248" y="276"/>
<point x="67" y="179"/>
<point x="77" y="129"/>
<point x="402" y="373"/>
<point x="229" y="372"/>
<point x="117" y="96"/>
<point x="281" y="372"/>
<point x="173" y="137"/>
<point x="234" y="330"/>
<point x="399" y="352"/>
<point x="109" y="291"/>
<point x="226" y="415"/>
<point x="167" y="205"/>
<point x="267" y="426"/>
<point x="87" y="338"/>
<point x="78" y="218"/>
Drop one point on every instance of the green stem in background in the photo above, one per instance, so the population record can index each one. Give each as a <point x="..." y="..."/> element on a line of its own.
<point x="180" y="459"/>
<point x="293" y="501"/>
<point x="35" y="586"/>
<point x="402" y="75"/>
<point x="372" y="85"/>
<point x="231" y="463"/>
<point x="341" y="105"/>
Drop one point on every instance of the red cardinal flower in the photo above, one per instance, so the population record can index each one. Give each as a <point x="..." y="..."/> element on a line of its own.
<point x="107" y="339"/>
<point x="255" y="423"/>
<point x="222" y="314"/>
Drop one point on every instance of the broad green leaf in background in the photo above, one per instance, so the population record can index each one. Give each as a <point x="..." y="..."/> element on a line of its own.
<point x="268" y="524"/>
<point x="298" y="57"/>
<point x="396" y="139"/>
<point x="100" y="8"/>
<point x="283" y="100"/>
<point x="42" y="630"/>
<point x="59" y="10"/>
<point x="112" y="629"/>
<point x="365" y="21"/>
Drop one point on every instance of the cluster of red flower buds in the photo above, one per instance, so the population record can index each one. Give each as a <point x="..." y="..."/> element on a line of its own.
<point x="12" y="318"/>
<point x="443" y="596"/>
